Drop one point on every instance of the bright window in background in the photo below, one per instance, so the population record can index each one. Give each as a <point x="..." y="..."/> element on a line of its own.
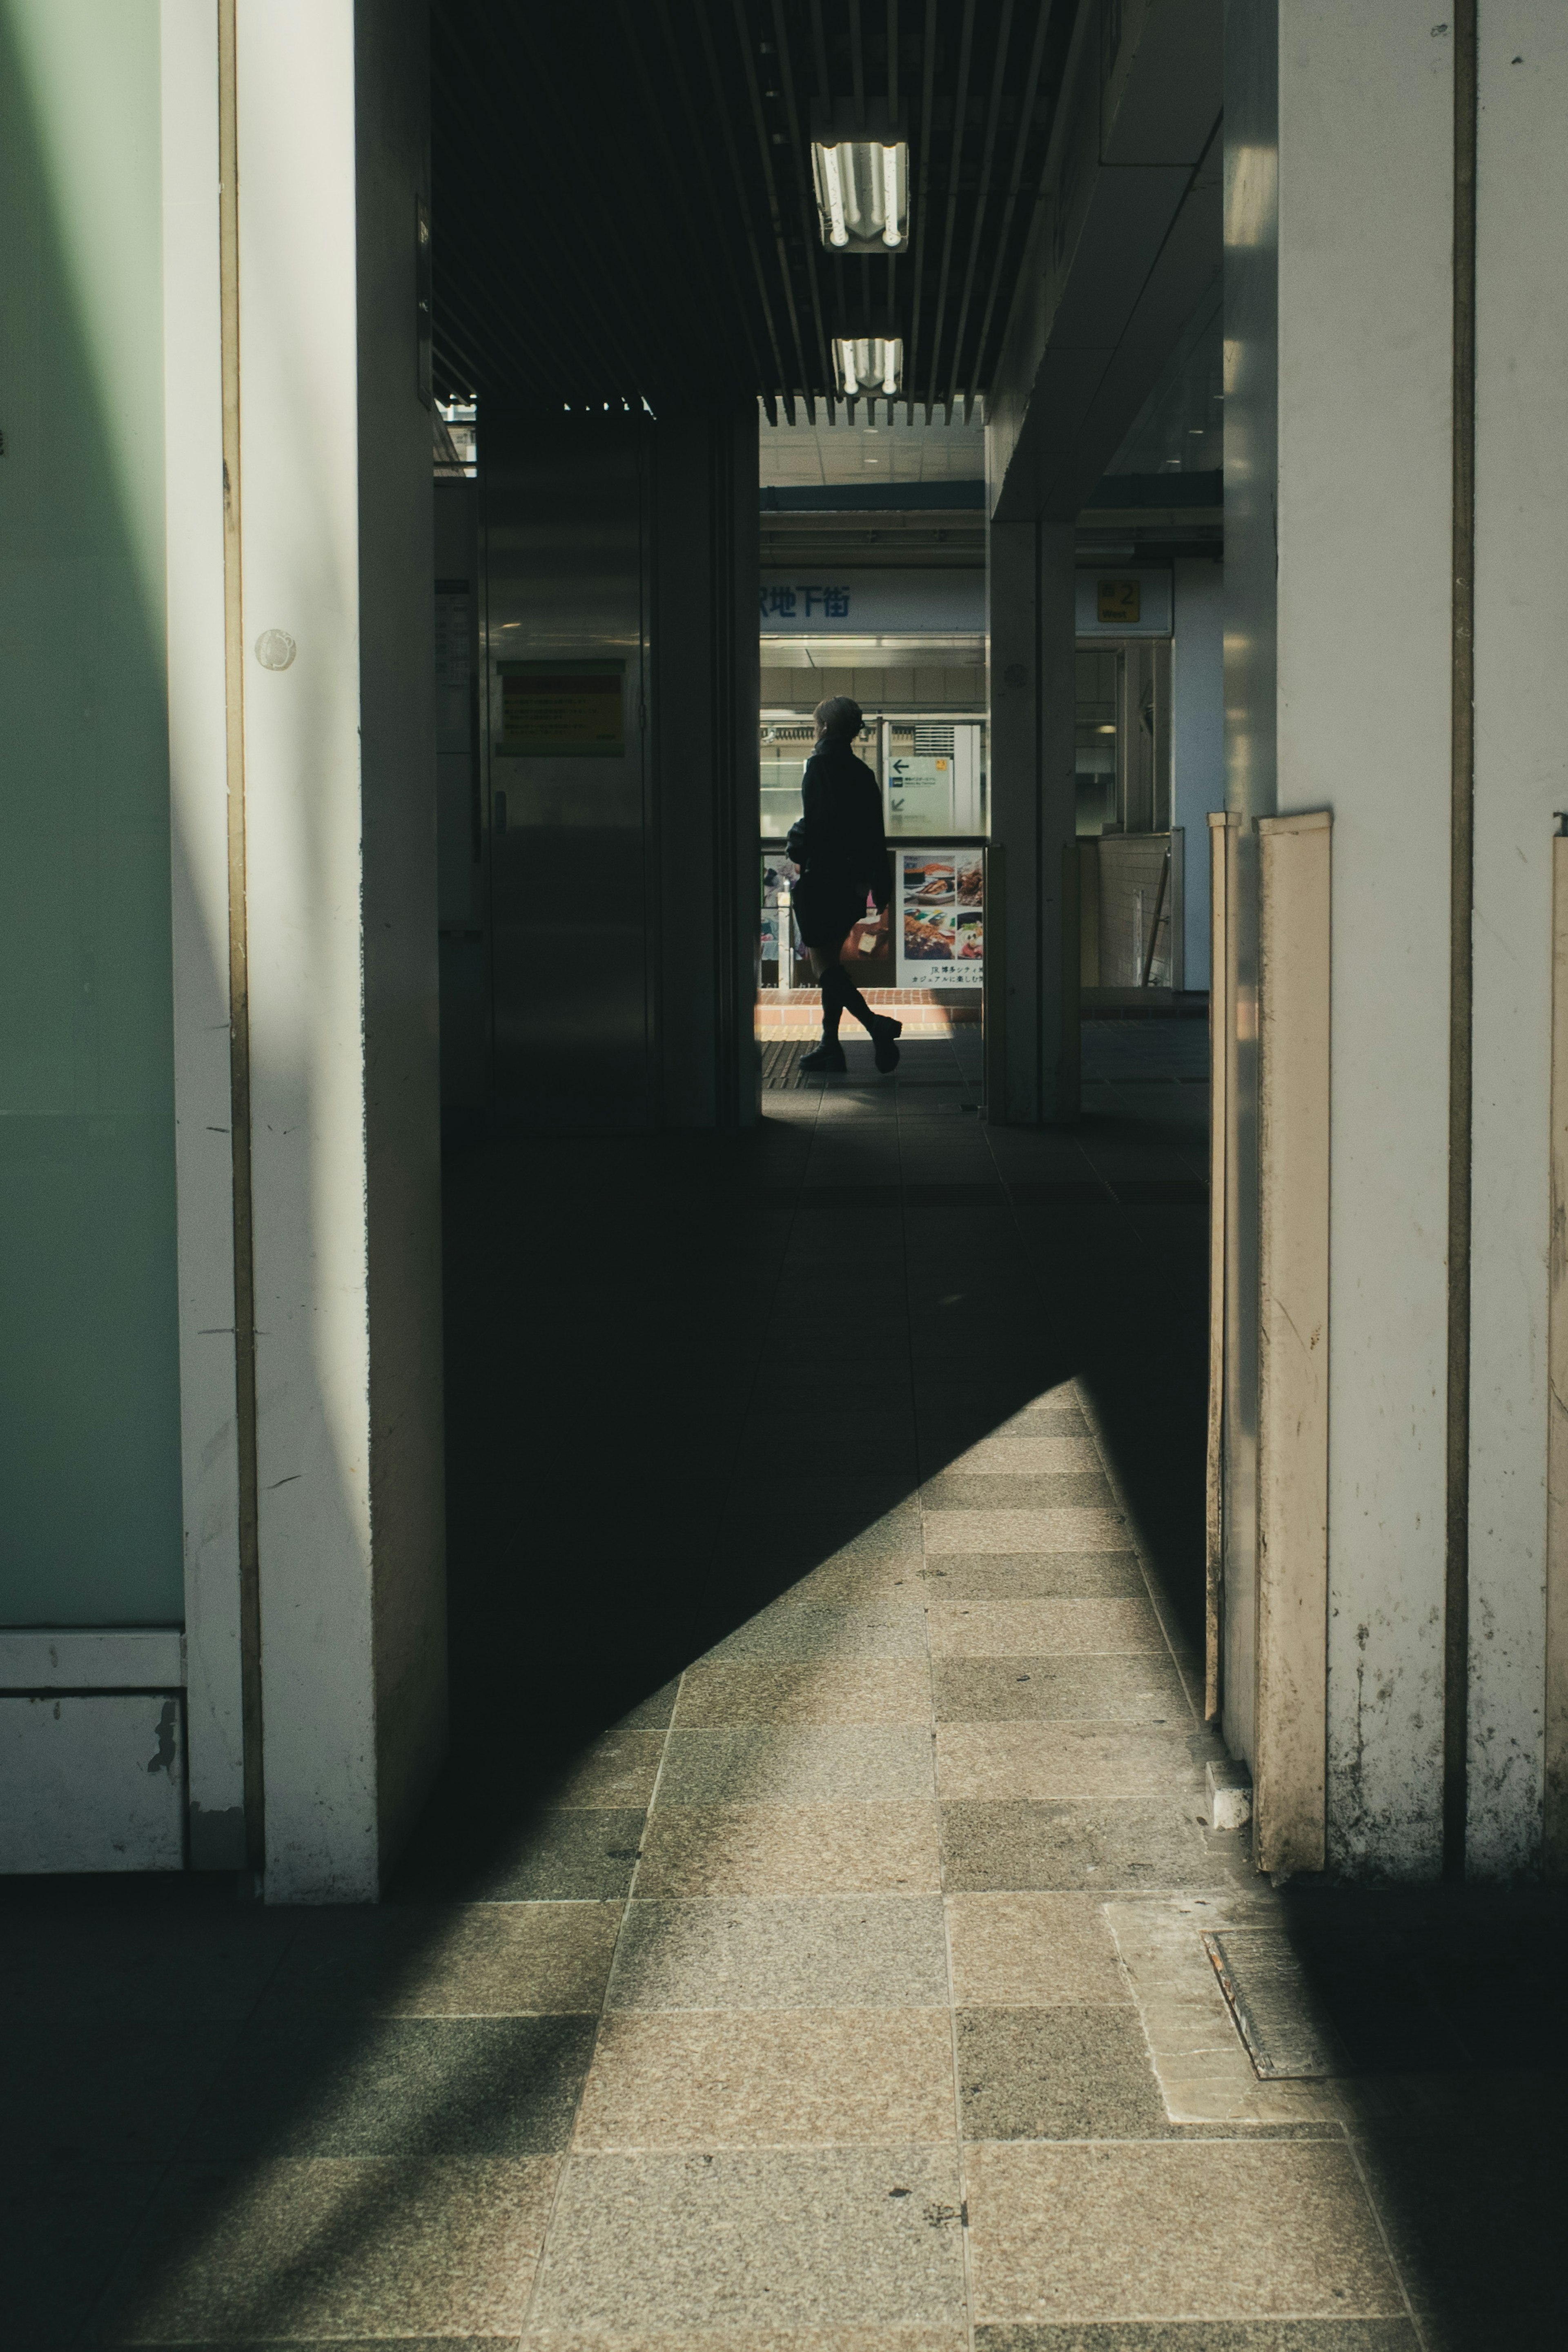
<point x="785" y="749"/>
<point x="1096" y="735"/>
<point x="932" y="773"/>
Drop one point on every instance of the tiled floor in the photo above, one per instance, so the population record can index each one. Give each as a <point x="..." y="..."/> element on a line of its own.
<point x="799" y="1956"/>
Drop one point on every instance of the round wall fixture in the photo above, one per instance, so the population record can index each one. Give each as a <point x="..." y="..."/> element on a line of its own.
<point x="275" y="649"/>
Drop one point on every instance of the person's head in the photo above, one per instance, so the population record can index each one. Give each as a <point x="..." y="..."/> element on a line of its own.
<point x="838" y="719"/>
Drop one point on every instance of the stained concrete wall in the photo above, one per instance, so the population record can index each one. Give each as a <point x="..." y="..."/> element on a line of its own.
<point x="1338" y="665"/>
<point x="1339" y="214"/>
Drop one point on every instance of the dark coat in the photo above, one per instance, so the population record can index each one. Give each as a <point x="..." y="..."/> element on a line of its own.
<point x="837" y="840"/>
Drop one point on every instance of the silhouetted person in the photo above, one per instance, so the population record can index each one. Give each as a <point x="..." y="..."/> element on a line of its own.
<point x="839" y="843"/>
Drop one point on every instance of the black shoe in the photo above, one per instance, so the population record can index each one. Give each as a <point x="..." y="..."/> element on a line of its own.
<point x="829" y="1056"/>
<point x="884" y="1035"/>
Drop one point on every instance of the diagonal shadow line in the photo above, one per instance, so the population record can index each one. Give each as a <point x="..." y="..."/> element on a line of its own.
<point x="635" y="1438"/>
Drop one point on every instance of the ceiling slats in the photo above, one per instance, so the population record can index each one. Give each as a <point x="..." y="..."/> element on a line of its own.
<point x="624" y="208"/>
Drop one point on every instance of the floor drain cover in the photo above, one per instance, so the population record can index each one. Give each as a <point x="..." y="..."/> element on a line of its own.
<point x="1279" y="2017"/>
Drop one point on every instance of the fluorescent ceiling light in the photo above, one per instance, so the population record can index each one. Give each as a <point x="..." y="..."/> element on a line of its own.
<point x="862" y="193"/>
<point x="868" y="367"/>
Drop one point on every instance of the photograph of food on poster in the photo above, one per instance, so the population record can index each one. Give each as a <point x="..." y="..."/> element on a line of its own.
<point x="928" y="881"/>
<point x="928" y="934"/>
<point x="940" y="931"/>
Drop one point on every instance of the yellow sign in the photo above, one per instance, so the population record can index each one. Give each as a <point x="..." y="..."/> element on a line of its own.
<point x="562" y="710"/>
<point x="1120" y="600"/>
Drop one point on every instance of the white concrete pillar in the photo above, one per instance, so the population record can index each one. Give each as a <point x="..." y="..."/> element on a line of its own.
<point x="335" y="491"/>
<point x="1339" y="129"/>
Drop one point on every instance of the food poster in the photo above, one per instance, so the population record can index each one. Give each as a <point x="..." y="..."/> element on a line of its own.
<point x="777" y="876"/>
<point x="941" y="914"/>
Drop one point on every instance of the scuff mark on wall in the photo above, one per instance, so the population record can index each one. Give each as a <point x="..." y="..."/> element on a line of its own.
<point x="164" y="1761"/>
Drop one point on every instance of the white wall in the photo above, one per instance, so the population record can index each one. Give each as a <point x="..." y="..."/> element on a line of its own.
<point x="1521" y="625"/>
<point x="1197" y="743"/>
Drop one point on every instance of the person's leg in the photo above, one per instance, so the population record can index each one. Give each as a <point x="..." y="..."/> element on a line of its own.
<point x="830" y="976"/>
<point x="839" y="994"/>
<point x="829" y="1054"/>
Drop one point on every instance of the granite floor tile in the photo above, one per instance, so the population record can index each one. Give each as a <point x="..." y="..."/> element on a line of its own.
<point x="1012" y="1453"/>
<point x="617" y="1771"/>
<point x="1036" y="1576"/>
<point x="1107" y="1846"/>
<point x="1032" y="1951"/>
<point x="798" y="1629"/>
<point x="855" y="1581"/>
<point x="785" y="1434"/>
<point x="107" y="2088"/>
<point x="1150" y="2232"/>
<point x="1020" y="1629"/>
<point x="1204" y="2335"/>
<point x="1018" y="1490"/>
<point x="1063" y="1759"/>
<point x="824" y="1690"/>
<point x="650" y="1713"/>
<point x="770" y="2078"/>
<point x="1094" y="1688"/>
<point x="583" y="1854"/>
<point x="1005" y="1531"/>
<point x="753" y="2239"/>
<point x="179" y="1964"/>
<point x="787" y="1764"/>
<point x="793" y="1541"/>
<point x="875" y="1495"/>
<point x="1475" y="2221"/>
<point x="1057" y="2073"/>
<point x="871" y="1849"/>
<point x="745" y="2336"/>
<point x="477" y="1960"/>
<point x="872" y="1951"/>
<point x="65" y="2222"/>
<point x="979" y="1417"/>
<point x="838" y="1450"/>
<point x="248" y="2254"/>
<point x="325" y="2086"/>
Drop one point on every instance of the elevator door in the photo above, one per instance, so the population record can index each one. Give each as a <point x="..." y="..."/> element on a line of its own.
<point x="565" y="668"/>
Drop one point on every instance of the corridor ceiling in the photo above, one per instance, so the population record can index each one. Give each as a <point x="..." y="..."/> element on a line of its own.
<point x="624" y="209"/>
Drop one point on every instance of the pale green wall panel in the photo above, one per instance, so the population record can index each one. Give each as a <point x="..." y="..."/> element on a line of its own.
<point x="89" y="1469"/>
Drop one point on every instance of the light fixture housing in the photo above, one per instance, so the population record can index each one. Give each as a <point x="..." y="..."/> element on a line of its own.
<point x="860" y="163"/>
<point x="868" y="367"/>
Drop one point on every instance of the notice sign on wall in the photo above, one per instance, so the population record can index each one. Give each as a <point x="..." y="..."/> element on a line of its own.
<point x="942" y="918"/>
<point x="919" y="790"/>
<point x="562" y="709"/>
<point x="1119" y="602"/>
